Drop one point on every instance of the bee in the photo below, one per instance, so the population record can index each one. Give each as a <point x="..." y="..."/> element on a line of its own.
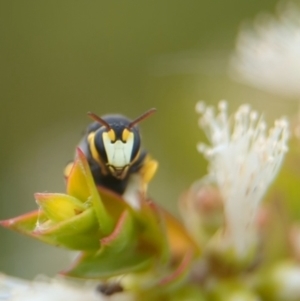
<point x="112" y="146"/>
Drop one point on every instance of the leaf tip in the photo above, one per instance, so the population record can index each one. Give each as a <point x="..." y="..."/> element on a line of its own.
<point x="80" y="154"/>
<point x="6" y="223"/>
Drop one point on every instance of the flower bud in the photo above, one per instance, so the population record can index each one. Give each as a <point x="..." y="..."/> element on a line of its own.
<point x="201" y="209"/>
<point x="281" y="282"/>
<point x="231" y="291"/>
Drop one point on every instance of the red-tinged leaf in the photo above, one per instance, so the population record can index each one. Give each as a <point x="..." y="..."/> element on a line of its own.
<point x="80" y="232"/>
<point x="59" y="207"/>
<point x="165" y="279"/>
<point x="113" y="203"/>
<point x="123" y="227"/>
<point x="124" y="237"/>
<point x="152" y="231"/>
<point x="120" y="253"/>
<point x="26" y="224"/>
<point x="179" y="240"/>
<point x="178" y="275"/>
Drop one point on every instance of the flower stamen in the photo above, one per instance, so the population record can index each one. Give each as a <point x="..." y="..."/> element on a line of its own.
<point x="243" y="161"/>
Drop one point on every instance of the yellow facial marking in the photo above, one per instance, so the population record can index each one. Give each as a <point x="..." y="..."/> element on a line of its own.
<point x="118" y="152"/>
<point x="125" y="135"/>
<point x="111" y="135"/>
<point x="94" y="152"/>
<point x="91" y="140"/>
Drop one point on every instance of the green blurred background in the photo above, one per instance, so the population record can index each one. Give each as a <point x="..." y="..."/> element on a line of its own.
<point x="60" y="59"/>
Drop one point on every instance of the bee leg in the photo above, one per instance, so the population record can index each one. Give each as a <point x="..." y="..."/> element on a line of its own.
<point x="132" y="194"/>
<point x="136" y="190"/>
<point x="147" y="172"/>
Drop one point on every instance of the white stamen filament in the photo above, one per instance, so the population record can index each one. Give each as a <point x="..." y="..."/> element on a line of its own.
<point x="243" y="161"/>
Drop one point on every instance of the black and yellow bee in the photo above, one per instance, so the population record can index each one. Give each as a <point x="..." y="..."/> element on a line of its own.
<point x="112" y="146"/>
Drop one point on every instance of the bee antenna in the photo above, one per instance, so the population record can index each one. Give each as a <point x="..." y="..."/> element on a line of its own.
<point x="99" y="120"/>
<point x="142" y="117"/>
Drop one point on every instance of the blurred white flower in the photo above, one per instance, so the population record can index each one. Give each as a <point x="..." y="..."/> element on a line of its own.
<point x="243" y="160"/>
<point x="267" y="53"/>
<point x="14" y="289"/>
<point x="281" y="282"/>
<point x="288" y="281"/>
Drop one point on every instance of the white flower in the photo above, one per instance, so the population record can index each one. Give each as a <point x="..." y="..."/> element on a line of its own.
<point x="282" y="281"/>
<point x="14" y="289"/>
<point x="268" y="53"/>
<point x="243" y="160"/>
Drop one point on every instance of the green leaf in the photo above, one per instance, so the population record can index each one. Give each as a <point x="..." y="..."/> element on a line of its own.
<point x="80" y="232"/>
<point x="77" y="185"/>
<point x="104" y="265"/>
<point x="106" y="222"/>
<point x="120" y="253"/>
<point x="59" y="207"/>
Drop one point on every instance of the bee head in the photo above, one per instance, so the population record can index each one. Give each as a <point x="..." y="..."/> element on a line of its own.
<point x="116" y="144"/>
